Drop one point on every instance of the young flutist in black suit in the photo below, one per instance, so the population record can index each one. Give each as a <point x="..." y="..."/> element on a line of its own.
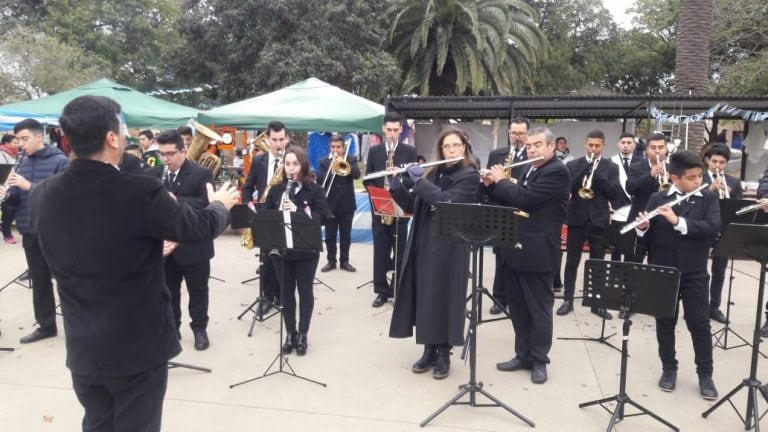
<point x="680" y="237"/>
<point x="530" y="270"/>
<point x="102" y="234"/>
<point x="297" y="193"/>
<point x="341" y="200"/>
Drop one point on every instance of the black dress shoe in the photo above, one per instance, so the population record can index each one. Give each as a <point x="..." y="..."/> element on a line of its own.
<point x="331" y="265"/>
<point x="443" y="363"/>
<point x="301" y="344"/>
<point x="707" y="388"/>
<point x="515" y="364"/>
<point x="201" y="340"/>
<point x="38" y="334"/>
<point x="602" y="313"/>
<point x="539" y="373"/>
<point x="380" y="300"/>
<point x="496" y="309"/>
<point x="348" y="267"/>
<point x="565" y="308"/>
<point x="717" y="315"/>
<point x="427" y="360"/>
<point x="668" y="380"/>
<point x="624" y="315"/>
<point x="290" y="342"/>
<point x="264" y="306"/>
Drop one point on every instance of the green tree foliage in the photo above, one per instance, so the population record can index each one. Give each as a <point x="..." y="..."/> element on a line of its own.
<point x="246" y="48"/>
<point x="740" y="47"/>
<point x="451" y="46"/>
<point x="14" y="13"/>
<point x="35" y="64"/>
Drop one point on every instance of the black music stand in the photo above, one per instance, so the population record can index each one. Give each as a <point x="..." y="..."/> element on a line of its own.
<point x="475" y="225"/>
<point x="630" y="288"/>
<point x="728" y="208"/>
<point x="173" y="365"/>
<point x="743" y="241"/>
<point x="283" y="231"/>
<point x="18" y="281"/>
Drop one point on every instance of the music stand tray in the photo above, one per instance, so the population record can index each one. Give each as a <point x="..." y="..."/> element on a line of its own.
<point x="475" y="226"/>
<point x="630" y="288"/>
<point x="745" y="241"/>
<point x="284" y="231"/>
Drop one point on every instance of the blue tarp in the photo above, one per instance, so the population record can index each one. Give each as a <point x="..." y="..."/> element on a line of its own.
<point x="9" y="118"/>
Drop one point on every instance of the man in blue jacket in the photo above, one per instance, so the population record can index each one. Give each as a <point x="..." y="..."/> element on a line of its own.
<point x="39" y="163"/>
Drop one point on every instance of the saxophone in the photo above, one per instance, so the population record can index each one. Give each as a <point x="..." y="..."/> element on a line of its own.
<point x="277" y="178"/>
<point x="387" y="220"/>
<point x="508" y="161"/>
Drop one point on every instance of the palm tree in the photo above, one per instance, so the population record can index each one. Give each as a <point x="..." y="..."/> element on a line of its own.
<point x="692" y="64"/>
<point x="451" y="46"/>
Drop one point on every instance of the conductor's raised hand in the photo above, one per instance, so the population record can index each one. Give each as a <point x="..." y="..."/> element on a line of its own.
<point x="226" y="194"/>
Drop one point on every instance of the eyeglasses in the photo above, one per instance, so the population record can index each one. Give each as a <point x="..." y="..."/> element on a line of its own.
<point x="517" y="133"/>
<point x="452" y="146"/>
<point x="169" y="154"/>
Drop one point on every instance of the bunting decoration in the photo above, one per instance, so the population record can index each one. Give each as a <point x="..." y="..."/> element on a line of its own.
<point x="750" y="116"/>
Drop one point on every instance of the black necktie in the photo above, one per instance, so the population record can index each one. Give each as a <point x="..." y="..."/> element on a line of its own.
<point x="274" y="167"/>
<point x="626" y="164"/>
<point x="292" y="190"/>
<point x="171" y="180"/>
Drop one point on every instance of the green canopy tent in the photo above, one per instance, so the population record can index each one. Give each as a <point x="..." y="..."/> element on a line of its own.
<point x="141" y="111"/>
<point x="310" y="105"/>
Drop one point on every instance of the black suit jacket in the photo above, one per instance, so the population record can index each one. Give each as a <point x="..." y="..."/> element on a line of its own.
<point x="341" y="197"/>
<point x="641" y="186"/>
<point x="257" y="178"/>
<point x="498" y="157"/>
<point x="189" y="189"/>
<point x="544" y="195"/>
<point x="736" y="191"/>
<point x="102" y="234"/>
<point x="606" y="188"/>
<point x="377" y="160"/>
<point x="130" y="164"/>
<point x="689" y="252"/>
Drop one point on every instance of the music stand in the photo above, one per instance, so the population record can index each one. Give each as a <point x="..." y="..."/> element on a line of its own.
<point x="744" y="241"/>
<point x="17" y="280"/>
<point x="630" y="288"/>
<point x="475" y="225"/>
<point x="728" y="208"/>
<point x="284" y="231"/>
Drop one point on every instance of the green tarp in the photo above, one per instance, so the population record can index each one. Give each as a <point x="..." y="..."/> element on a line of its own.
<point x="141" y="111"/>
<point x="311" y="105"/>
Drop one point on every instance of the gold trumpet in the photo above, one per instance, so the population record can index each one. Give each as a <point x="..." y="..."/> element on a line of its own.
<point x="663" y="178"/>
<point x="586" y="191"/>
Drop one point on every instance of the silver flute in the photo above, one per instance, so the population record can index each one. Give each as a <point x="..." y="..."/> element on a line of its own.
<point x="655" y="212"/>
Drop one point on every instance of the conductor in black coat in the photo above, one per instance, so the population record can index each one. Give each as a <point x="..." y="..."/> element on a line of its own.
<point x="384" y="241"/>
<point x="680" y="237"/>
<point x="188" y="261"/>
<point x="433" y="283"/>
<point x="716" y="159"/>
<point x="296" y="269"/>
<point x="529" y="269"/>
<point x="588" y="217"/>
<point x="102" y="233"/>
<point x="340" y="192"/>
<point x="514" y="152"/>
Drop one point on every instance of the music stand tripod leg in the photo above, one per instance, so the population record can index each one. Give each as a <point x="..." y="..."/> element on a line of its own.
<point x="173" y="365"/>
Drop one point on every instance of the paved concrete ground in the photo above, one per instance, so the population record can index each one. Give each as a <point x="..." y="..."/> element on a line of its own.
<point x="370" y="385"/>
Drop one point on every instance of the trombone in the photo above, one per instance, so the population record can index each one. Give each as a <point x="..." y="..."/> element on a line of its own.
<point x="722" y="189"/>
<point x="663" y="178"/>
<point x="339" y="166"/>
<point x="586" y="191"/>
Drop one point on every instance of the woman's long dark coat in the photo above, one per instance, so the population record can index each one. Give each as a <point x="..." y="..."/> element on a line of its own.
<point x="433" y="283"/>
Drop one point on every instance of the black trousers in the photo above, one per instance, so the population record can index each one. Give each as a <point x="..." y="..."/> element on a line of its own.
<point x="383" y="250"/>
<point x="196" y="276"/>
<point x="43" y="301"/>
<point x="343" y="225"/>
<point x="6" y="220"/>
<point x="530" y="300"/>
<point x="298" y="274"/>
<point x="694" y="292"/>
<point x="268" y="276"/>
<point x="558" y="282"/>
<point x="499" y="287"/>
<point x="576" y="237"/>
<point x="719" y="266"/>
<point x="122" y="404"/>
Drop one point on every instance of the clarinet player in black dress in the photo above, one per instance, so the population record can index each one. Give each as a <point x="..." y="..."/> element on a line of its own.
<point x="296" y="269"/>
<point x="433" y="283"/>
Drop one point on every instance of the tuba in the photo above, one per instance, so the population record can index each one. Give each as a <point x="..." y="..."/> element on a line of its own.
<point x="197" y="149"/>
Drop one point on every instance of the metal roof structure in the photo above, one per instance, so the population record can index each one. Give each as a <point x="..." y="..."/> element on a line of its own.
<point x="566" y="107"/>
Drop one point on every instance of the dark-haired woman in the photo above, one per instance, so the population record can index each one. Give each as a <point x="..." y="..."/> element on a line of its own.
<point x="433" y="283"/>
<point x="296" y="269"/>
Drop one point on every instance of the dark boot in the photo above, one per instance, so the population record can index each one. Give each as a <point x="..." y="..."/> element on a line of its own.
<point x="427" y="359"/>
<point x="443" y="364"/>
<point x="301" y="344"/>
<point x="290" y="342"/>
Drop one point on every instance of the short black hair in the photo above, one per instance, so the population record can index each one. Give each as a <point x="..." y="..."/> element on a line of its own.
<point x="170" y="137"/>
<point x="656" y="136"/>
<point x="561" y="138"/>
<point x="184" y="130"/>
<point x="87" y="120"/>
<point x="7" y="139"/>
<point x="131" y="147"/>
<point x="393" y="117"/>
<point x="338" y="138"/>
<point x="276" y="126"/>
<point x="31" y="125"/>
<point x="627" y="135"/>
<point x="596" y="134"/>
<point x="147" y="133"/>
<point x="420" y="158"/>
<point x="684" y="160"/>
<point x="520" y="120"/>
<point x="718" y="149"/>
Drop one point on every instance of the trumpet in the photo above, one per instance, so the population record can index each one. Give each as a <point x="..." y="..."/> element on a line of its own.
<point x="586" y="191"/>
<point x="663" y="178"/>
<point x="487" y="172"/>
<point x="760" y="205"/>
<point x="722" y="189"/>
<point x="655" y="212"/>
<point x="395" y="171"/>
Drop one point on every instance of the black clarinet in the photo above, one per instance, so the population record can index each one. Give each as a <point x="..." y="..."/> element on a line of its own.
<point x="19" y="158"/>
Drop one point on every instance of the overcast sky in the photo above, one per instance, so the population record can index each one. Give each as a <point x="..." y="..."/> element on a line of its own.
<point x="617" y="8"/>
